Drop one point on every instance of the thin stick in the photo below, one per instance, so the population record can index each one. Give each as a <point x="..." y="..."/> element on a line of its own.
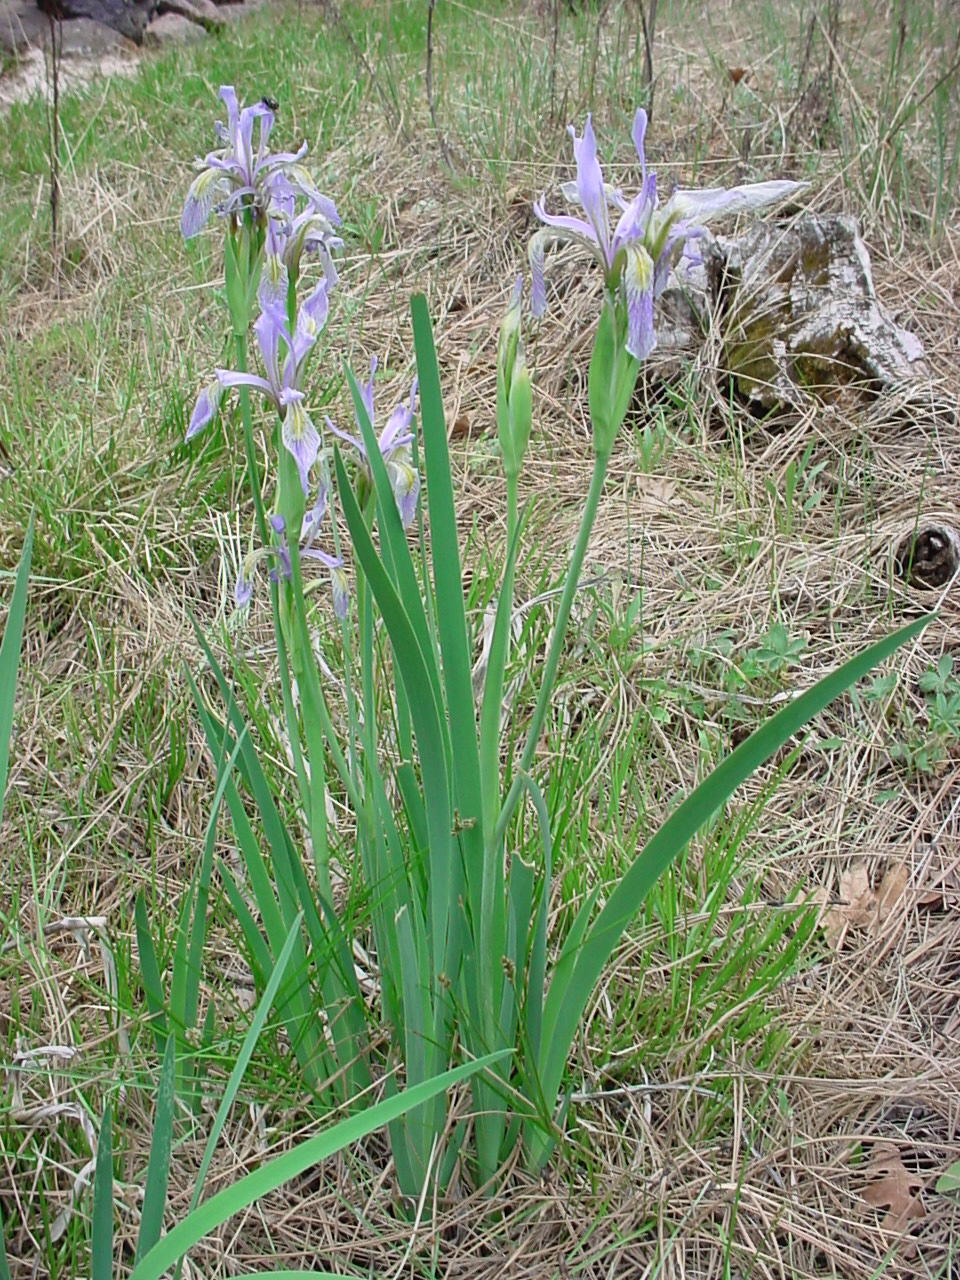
<point x="553" y="61"/>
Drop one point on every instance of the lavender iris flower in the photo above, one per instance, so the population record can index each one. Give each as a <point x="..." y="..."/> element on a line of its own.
<point x="241" y="175"/>
<point x="282" y="386"/>
<point x="394" y="441"/>
<point x="637" y="253"/>
<point x="243" y="592"/>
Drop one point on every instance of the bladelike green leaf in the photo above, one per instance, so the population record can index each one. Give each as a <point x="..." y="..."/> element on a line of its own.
<point x="158" y="1166"/>
<point x="448" y="581"/>
<point x="579" y="967"/>
<point x="10" y="656"/>
<point x="274" y="1173"/>
<point x="101" y="1230"/>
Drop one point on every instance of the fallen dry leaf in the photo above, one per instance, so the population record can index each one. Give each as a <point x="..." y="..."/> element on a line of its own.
<point x="859" y="906"/>
<point x="656" y="491"/>
<point x="893" y="1188"/>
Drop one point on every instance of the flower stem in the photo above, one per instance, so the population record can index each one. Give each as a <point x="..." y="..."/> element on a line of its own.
<point x="556" y="642"/>
<point x="511" y="507"/>
<point x="253" y="473"/>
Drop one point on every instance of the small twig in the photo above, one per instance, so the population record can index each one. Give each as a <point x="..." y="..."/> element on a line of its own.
<point x="648" y="21"/>
<point x="433" y="111"/>
<point x="553" y="60"/>
<point x="55" y="48"/>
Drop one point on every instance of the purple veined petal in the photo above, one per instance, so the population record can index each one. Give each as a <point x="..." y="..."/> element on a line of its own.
<point x="299" y="435"/>
<point x="590" y="186"/>
<point x="566" y="222"/>
<point x="366" y="394"/>
<point x="538" y="288"/>
<point x="228" y="97"/>
<point x="414" y="385"/>
<point x="244" y="147"/>
<point x="638" y="133"/>
<point x="311" y="318"/>
<point x="206" y="186"/>
<point x="269" y="328"/>
<point x="316" y="553"/>
<point x="242" y="591"/>
<point x="274" y="282"/>
<point x="322" y="248"/>
<point x="396" y="434"/>
<point x="638" y="285"/>
<point x="635" y="218"/>
<point x="281" y="159"/>
<point x="405" y="483"/>
<point x="277" y="522"/>
<point x="346" y="438"/>
<point x="313" y="518"/>
<point x="205" y="410"/>
<point x="302" y="179"/>
<point x="698" y="206"/>
<point x="340" y="589"/>
<point x="229" y="378"/>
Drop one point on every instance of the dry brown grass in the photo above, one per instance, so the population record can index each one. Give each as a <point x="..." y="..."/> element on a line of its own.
<point x="777" y="1190"/>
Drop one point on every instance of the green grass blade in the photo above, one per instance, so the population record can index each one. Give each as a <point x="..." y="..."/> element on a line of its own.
<point x="158" y="1166"/>
<point x="448" y="583"/>
<point x="150" y="975"/>
<point x="579" y="969"/>
<point x="198" y="925"/>
<point x="101" y="1229"/>
<point x="243" y="1058"/>
<point x="537" y="971"/>
<point x="10" y="656"/>
<point x="274" y="1173"/>
<point x="259" y="956"/>
<point x="4" y="1265"/>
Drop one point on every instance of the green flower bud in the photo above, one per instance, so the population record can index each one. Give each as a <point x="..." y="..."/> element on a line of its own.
<point x="514" y="396"/>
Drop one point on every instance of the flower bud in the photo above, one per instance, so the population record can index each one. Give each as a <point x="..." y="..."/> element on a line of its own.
<point x="514" y="396"/>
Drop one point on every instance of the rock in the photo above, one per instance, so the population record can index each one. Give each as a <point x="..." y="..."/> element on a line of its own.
<point x="203" y="12"/>
<point x="84" y="37"/>
<point x="797" y="312"/>
<point x="801" y="313"/>
<point x="22" y="26"/>
<point x="172" y="28"/>
<point x="129" y="17"/>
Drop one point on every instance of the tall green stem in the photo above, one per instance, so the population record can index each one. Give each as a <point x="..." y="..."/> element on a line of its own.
<point x="511" y="507"/>
<point x="556" y="642"/>
<point x="253" y="474"/>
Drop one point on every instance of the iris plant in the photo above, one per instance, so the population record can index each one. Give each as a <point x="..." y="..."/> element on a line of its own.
<point x="457" y="908"/>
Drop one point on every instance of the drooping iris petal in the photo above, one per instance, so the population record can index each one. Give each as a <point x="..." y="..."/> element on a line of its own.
<point x="203" y="193"/>
<point x="311" y="318"/>
<point x="274" y="282"/>
<point x="346" y="437"/>
<point x="299" y="435"/>
<point x="205" y="410"/>
<point x="405" y="483"/>
<point x="242" y="591"/>
<point x="538" y="289"/>
<point x="700" y="206"/>
<point x="341" y="592"/>
<point x="638" y="282"/>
